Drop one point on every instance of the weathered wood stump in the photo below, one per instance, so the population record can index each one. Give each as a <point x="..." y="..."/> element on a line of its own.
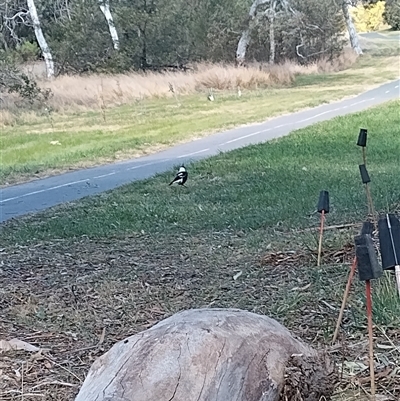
<point x="202" y="355"/>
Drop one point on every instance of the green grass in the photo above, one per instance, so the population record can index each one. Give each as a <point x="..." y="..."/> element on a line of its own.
<point x="386" y="305"/>
<point x="85" y="138"/>
<point x="275" y="184"/>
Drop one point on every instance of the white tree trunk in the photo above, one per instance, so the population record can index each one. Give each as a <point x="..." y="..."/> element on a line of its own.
<point x="242" y="46"/>
<point x="272" y="44"/>
<point x="245" y="38"/>
<point x="351" y="28"/>
<point x="41" y="39"/>
<point x="105" y="9"/>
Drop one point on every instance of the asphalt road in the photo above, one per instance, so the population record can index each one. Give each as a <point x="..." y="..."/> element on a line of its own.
<point x="377" y="35"/>
<point x="41" y="194"/>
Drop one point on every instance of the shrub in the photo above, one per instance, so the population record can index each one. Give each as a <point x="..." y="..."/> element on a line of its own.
<point x="27" y="51"/>
<point x="369" y="17"/>
<point x="12" y="80"/>
<point x="392" y="13"/>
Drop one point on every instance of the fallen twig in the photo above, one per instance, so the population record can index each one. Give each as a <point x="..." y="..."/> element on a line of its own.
<point x="334" y="227"/>
<point x="55" y="382"/>
<point x="62" y="367"/>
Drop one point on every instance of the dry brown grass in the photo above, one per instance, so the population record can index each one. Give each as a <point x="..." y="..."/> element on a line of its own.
<point x="81" y="92"/>
<point x="6" y="117"/>
<point x="346" y="59"/>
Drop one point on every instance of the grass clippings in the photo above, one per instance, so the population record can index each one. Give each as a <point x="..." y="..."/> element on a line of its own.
<point x="75" y="299"/>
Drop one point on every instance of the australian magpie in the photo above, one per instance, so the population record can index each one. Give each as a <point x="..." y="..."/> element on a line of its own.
<point x="181" y="176"/>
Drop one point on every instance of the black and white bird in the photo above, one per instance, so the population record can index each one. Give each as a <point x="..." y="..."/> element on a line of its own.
<point x="181" y="177"/>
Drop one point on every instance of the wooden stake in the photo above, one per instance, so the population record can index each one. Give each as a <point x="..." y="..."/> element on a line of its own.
<point x="371" y="209"/>
<point x="397" y="270"/>
<point x="396" y="258"/>
<point x="320" y="237"/>
<point x="345" y="296"/>
<point x="370" y="336"/>
<point x="368" y="199"/>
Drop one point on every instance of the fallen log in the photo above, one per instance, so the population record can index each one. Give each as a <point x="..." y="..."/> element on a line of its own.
<point x="209" y="355"/>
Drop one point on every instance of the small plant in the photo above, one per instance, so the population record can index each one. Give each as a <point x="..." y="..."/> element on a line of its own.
<point x="28" y="51"/>
<point x="103" y="106"/>
<point x="172" y="90"/>
<point x="29" y="90"/>
<point x="386" y="302"/>
<point x="12" y="80"/>
<point x="48" y="111"/>
<point x="118" y="90"/>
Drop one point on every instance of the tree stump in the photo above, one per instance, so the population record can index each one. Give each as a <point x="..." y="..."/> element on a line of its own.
<point x="204" y="355"/>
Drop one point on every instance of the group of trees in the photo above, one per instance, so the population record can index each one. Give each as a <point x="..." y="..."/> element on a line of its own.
<point x="116" y="35"/>
<point x="392" y="13"/>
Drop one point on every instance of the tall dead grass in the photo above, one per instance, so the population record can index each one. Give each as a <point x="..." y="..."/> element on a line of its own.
<point x="72" y="93"/>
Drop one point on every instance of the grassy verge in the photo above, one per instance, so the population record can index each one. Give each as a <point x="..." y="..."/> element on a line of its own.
<point x="241" y="235"/>
<point x="48" y="143"/>
<point x="269" y="185"/>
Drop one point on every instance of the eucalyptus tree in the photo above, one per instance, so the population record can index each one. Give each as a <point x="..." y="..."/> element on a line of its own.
<point x="355" y="44"/>
<point x="14" y="23"/>
<point x="301" y="30"/>
<point x="245" y="38"/>
<point x="172" y="33"/>
<point x="117" y="35"/>
<point x="105" y="9"/>
<point x="392" y="13"/>
<point x="48" y="58"/>
<point x="80" y="37"/>
<point x="18" y="16"/>
<point x="313" y="30"/>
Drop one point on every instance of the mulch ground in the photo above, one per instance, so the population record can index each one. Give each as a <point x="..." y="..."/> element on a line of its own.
<point x="70" y="301"/>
